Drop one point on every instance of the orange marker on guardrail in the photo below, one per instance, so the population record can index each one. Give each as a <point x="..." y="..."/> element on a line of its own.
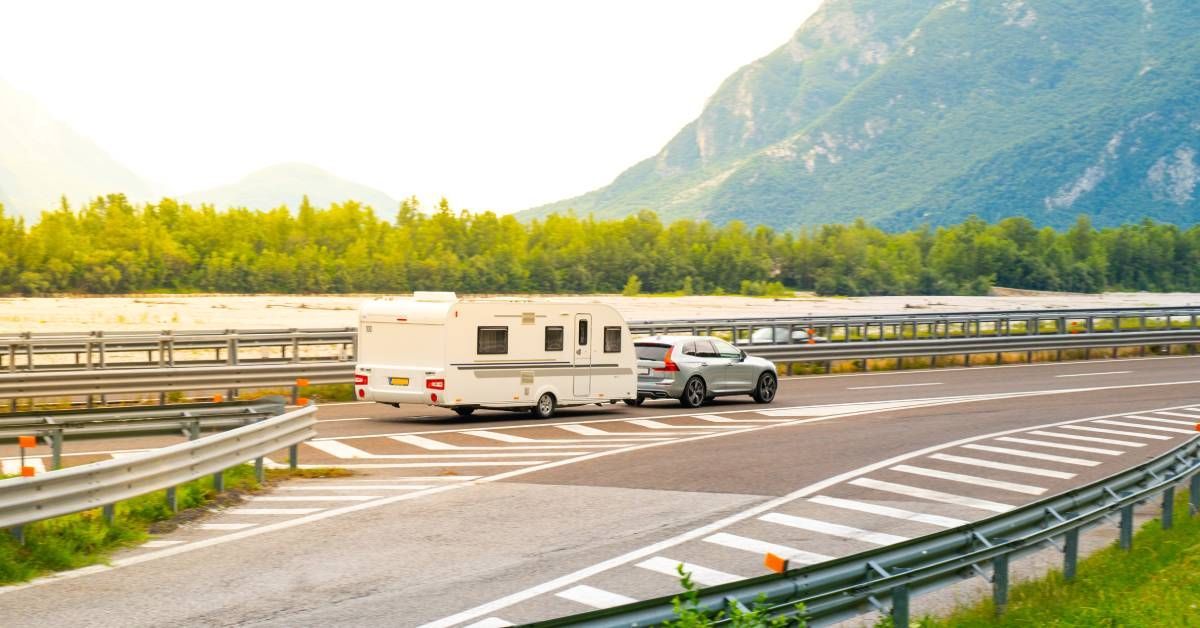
<point x="775" y="563"/>
<point x="1198" y="427"/>
<point x="26" y="442"/>
<point x="218" y="398"/>
<point x="300" y="381"/>
<point x="302" y="401"/>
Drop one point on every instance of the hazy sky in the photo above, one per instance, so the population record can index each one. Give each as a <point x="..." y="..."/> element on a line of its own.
<point x="496" y="105"/>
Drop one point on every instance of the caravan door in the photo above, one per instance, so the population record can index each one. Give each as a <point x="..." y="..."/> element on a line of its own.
<point x="583" y="355"/>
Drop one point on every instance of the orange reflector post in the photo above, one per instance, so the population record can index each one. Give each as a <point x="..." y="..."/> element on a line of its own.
<point x="218" y="398"/>
<point x="778" y="564"/>
<point x="1198" y="427"/>
<point x="300" y="381"/>
<point x="27" y="472"/>
<point x="27" y="442"/>
<point x="302" y="401"/>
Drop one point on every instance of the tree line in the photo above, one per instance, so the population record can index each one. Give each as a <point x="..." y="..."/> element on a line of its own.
<point x="112" y="246"/>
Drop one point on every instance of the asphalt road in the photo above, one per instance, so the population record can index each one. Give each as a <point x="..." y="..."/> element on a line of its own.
<point x="502" y="519"/>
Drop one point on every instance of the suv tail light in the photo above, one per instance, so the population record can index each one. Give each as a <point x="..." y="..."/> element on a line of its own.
<point x="435" y="384"/>
<point x="360" y="379"/>
<point x="668" y="365"/>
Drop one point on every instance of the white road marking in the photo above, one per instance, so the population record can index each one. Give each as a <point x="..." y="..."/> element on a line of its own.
<point x="1156" y="428"/>
<point x="1191" y="424"/>
<point x="360" y="487"/>
<point x="658" y="425"/>
<point x="1102" y="430"/>
<point x="225" y="526"/>
<point x="432" y="465"/>
<point x="1090" y="374"/>
<point x="337" y="449"/>
<point x="437" y="445"/>
<point x="1194" y="417"/>
<point x="1090" y="439"/>
<point x="12" y="466"/>
<point x="1044" y="443"/>
<point x="312" y="498"/>
<point x="1003" y="466"/>
<point x="153" y="544"/>
<point x="832" y="529"/>
<point x="593" y="597"/>
<point x="360" y="418"/>
<point x="713" y="418"/>
<point x="894" y="386"/>
<point x="703" y="575"/>
<point x="490" y="622"/>
<point x="888" y="511"/>
<point x="933" y="496"/>
<point x="761" y="548"/>
<point x="273" y="511"/>
<point x="970" y="479"/>
<point x="1037" y="455"/>
<point x="346" y="452"/>
<point x="587" y="430"/>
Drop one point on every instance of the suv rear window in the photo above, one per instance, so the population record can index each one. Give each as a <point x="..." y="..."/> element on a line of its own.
<point x="654" y="353"/>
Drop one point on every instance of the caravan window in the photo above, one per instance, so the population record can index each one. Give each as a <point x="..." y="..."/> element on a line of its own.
<point x="583" y="333"/>
<point x="492" y="341"/>
<point x="554" y="339"/>
<point x="612" y="339"/>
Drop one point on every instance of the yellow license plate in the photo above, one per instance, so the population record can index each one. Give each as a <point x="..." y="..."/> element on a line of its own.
<point x="398" y="381"/>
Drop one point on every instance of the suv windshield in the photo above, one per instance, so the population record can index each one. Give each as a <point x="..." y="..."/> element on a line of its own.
<point x="651" y="352"/>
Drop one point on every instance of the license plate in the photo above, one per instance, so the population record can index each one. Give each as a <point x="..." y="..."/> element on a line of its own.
<point x="645" y="371"/>
<point x="398" y="381"/>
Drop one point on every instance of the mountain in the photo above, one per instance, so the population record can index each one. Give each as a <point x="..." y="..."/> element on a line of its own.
<point x="42" y="159"/>
<point x="926" y="111"/>
<point x="286" y="184"/>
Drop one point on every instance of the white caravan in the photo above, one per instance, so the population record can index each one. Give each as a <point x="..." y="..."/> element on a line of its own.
<point x="436" y="349"/>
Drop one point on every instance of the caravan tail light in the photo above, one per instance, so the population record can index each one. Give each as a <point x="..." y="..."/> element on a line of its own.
<point x="435" y="384"/>
<point x="360" y="379"/>
<point x="668" y="365"/>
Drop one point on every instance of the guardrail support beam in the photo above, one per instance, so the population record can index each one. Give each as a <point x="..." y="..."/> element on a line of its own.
<point x="1070" y="554"/>
<point x="1126" y="526"/>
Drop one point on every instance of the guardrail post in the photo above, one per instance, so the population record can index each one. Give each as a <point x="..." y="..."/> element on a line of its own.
<point x="18" y="533"/>
<point x="1194" y="495"/>
<point x="259" y="473"/>
<point x="219" y="481"/>
<point x="56" y="443"/>
<point x="110" y="513"/>
<point x="172" y="499"/>
<point x="293" y="456"/>
<point x="1000" y="583"/>
<point x="900" y="606"/>
<point x="1168" y="508"/>
<point x="1070" y="554"/>
<point x="1127" y="527"/>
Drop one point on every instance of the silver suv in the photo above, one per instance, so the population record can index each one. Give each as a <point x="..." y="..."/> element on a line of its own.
<point x="694" y="369"/>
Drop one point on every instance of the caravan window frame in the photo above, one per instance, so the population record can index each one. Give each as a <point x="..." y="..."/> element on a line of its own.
<point x="562" y="338"/>
<point x="479" y="339"/>
<point x="607" y="330"/>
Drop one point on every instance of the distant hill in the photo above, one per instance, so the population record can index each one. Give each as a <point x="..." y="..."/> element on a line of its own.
<point x="286" y="184"/>
<point x="42" y="159"/>
<point x="918" y="111"/>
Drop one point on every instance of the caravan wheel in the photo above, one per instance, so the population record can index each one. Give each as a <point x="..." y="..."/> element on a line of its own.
<point x="545" y="406"/>
<point x="464" y="410"/>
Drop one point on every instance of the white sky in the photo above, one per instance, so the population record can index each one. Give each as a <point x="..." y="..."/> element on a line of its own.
<point x="496" y="105"/>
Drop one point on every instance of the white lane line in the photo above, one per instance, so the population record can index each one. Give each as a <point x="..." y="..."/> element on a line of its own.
<point x="1102" y="430"/>
<point x="1003" y="466"/>
<point x="832" y="529"/>
<point x="1044" y="443"/>
<point x="346" y="452"/>
<point x="1091" y="374"/>
<point x="437" y="445"/>
<point x="360" y="418"/>
<point x="888" y="511"/>
<point x="593" y="597"/>
<point x="160" y="543"/>
<point x="587" y="430"/>
<point x="225" y="526"/>
<point x="702" y="575"/>
<point x="893" y="386"/>
<point x="312" y="498"/>
<point x="659" y="425"/>
<point x="361" y="487"/>
<point x="1037" y="455"/>
<point x="761" y="548"/>
<point x="1194" y="417"/>
<point x="273" y="511"/>
<point x="337" y="449"/>
<point x="1191" y="424"/>
<point x="432" y="465"/>
<point x="490" y="622"/>
<point x="1090" y="439"/>
<point x="1156" y="428"/>
<point x="713" y="418"/>
<point x="12" y="466"/>
<point x="970" y="479"/>
<point x="933" y="496"/>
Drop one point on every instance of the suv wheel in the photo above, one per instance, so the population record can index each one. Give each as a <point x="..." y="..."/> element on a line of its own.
<point x="694" y="393"/>
<point x="768" y="385"/>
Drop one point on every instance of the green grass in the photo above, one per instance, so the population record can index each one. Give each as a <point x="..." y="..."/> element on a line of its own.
<point x="85" y="538"/>
<point x="1156" y="584"/>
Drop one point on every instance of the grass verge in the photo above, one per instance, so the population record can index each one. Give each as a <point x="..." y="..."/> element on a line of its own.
<point x="1157" y="583"/>
<point x="85" y="538"/>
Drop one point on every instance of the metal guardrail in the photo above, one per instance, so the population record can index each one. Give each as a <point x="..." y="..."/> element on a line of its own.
<point x="846" y="587"/>
<point x="103" y="484"/>
<point x="186" y="419"/>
